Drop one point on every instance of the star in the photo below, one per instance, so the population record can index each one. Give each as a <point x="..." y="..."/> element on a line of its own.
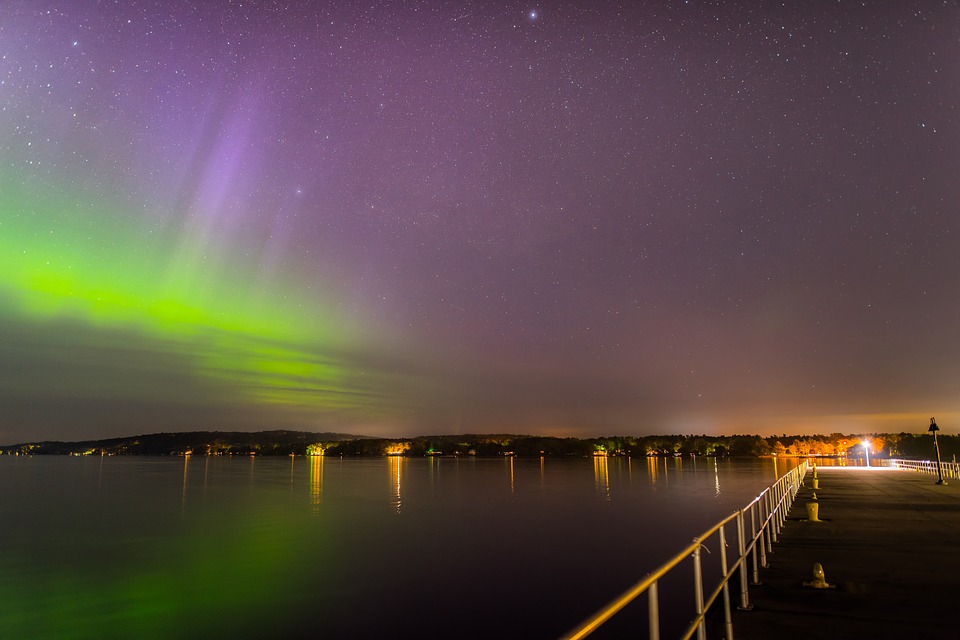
<point x="533" y="14"/>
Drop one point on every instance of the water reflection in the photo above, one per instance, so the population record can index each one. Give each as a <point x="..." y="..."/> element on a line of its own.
<point x="206" y="472"/>
<point x="395" y="464"/>
<point x="292" y="457"/>
<point x="716" y="477"/>
<point x="510" y="462"/>
<point x="48" y="579"/>
<point x="661" y="472"/>
<point x="316" y="482"/>
<point x="601" y="476"/>
<point x="183" y="492"/>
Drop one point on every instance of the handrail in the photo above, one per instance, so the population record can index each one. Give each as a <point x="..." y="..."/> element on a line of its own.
<point x="948" y="469"/>
<point x="766" y="513"/>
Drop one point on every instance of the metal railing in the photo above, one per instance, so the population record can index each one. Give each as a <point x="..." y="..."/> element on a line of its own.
<point x="758" y="526"/>
<point x="949" y="469"/>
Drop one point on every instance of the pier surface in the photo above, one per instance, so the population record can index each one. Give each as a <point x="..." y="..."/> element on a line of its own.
<point x="889" y="543"/>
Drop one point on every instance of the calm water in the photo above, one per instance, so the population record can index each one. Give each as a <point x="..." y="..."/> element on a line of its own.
<point x="133" y="547"/>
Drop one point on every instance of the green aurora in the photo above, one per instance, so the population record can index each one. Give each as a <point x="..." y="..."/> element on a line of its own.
<point x="72" y="262"/>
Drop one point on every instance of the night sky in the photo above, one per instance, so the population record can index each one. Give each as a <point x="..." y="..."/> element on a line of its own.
<point x="405" y="218"/>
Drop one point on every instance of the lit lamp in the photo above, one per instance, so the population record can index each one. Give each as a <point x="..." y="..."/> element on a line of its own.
<point x="866" y="448"/>
<point x="936" y="445"/>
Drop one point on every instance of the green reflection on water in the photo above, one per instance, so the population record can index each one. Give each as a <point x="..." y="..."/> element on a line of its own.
<point x="205" y="579"/>
<point x="211" y="579"/>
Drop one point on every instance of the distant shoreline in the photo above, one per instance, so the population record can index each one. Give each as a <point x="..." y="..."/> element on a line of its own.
<point x="285" y="443"/>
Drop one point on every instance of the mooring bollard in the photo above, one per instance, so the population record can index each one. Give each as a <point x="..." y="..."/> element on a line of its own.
<point x="813" y="510"/>
<point x="819" y="579"/>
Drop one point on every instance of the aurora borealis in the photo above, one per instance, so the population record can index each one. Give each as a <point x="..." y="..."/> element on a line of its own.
<point x="438" y="217"/>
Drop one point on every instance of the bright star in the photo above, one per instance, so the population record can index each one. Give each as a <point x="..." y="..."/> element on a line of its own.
<point x="534" y="14"/>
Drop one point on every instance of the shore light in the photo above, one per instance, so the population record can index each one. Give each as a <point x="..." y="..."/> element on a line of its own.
<point x="866" y="448"/>
<point x="933" y="429"/>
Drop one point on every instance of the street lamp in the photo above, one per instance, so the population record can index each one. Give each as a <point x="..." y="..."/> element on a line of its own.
<point x="933" y="429"/>
<point x="866" y="448"/>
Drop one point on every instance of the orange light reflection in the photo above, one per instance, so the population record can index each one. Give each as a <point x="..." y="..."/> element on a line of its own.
<point x="601" y="476"/>
<point x="316" y="482"/>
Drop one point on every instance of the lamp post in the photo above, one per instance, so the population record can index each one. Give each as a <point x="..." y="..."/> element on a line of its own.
<point x="933" y="429"/>
<point x="866" y="448"/>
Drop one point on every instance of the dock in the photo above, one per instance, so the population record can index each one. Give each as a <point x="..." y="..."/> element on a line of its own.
<point x="889" y="546"/>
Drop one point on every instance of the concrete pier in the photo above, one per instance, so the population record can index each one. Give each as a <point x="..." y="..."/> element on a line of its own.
<point x="889" y="543"/>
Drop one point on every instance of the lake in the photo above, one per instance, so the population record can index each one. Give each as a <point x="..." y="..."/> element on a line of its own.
<point x="168" y="547"/>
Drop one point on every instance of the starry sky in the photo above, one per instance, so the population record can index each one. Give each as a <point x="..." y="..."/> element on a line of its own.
<point x="425" y="217"/>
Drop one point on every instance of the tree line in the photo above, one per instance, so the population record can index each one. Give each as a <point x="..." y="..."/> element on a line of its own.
<point x="901" y="445"/>
<point x="906" y="445"/>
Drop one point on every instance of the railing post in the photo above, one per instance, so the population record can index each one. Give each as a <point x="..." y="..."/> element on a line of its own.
<point x="698" y="591"/>
<point x="724" y="569"/>
<point x="772" y="517"/>
<point x="757" y="541"/>
<point x="784" y="501"/>
<point x="778" y="508"/>
<point x="762" y="509"/>
<point x="653" y="605"/>
<point x="766" y="529"/>
<point x="742" y="549"/>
